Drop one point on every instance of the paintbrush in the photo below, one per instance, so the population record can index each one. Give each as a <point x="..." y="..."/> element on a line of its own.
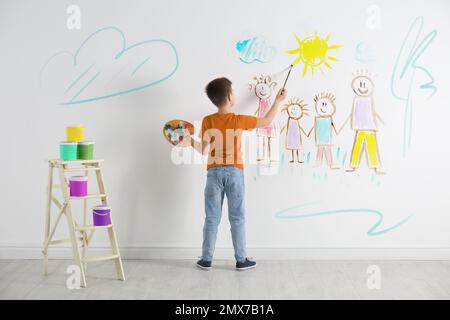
<point x="287" y="77"/>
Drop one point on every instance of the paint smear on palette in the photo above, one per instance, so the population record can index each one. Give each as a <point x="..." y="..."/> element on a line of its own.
<point x="255" y="49"/>
<point x="301" y="212"/>
<point x="177" y="132"/>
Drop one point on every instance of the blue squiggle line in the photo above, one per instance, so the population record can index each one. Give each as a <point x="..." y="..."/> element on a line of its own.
<point x="284" y="214"/>
<point x="414" y="53"/>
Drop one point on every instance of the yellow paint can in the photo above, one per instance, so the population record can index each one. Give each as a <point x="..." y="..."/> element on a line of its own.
<point x="75" y="133"/>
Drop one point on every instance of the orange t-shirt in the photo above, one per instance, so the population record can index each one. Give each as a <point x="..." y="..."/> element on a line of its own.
<point x="224" y="132"/>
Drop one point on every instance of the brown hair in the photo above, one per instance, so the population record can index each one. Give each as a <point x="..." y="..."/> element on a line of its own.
<point x="218" y="91"/>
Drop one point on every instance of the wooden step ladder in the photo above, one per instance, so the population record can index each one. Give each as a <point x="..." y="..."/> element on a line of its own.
<point x="78" y="232"/>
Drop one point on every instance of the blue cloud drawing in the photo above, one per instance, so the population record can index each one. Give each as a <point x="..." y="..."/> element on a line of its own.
<point x="364" y="53"/>
<point x="255" y="49"/>
<point x="104" y="66"/>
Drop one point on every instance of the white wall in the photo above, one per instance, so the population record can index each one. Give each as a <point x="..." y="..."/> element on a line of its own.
<point x="157" y="205"/>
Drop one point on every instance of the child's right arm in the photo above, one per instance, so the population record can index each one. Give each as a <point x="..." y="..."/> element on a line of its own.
<point x="270" y="115"/>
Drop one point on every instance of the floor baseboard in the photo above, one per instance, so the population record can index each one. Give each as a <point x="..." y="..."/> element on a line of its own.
<point x="257" y="253"/>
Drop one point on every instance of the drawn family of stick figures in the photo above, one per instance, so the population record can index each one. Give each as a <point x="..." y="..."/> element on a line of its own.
<point x="363" y="120"/>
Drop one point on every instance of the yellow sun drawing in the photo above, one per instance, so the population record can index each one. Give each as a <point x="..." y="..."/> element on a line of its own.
<point x="313" y="52"/>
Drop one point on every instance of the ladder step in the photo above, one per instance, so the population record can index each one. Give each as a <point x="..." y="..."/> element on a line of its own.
<point x="101" y="258"/>
<point x="92" y="227"/>
<point x="56" y="161"/>
<point x="81" y="169"/>
<point x="90" y="196"/>
<point x="61" y="241"/>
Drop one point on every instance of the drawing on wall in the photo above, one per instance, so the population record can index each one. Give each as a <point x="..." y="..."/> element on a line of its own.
<point x="323" y="128"/>
<point x="364" y="53"/>
<point x="106" y="66"/>
<point x="295" y="110"/>
<point x="263" y="87"/>
<point x="314" y="53"/>
<point x="375" y="230"/>
<point x="408" y="74"/>
<point x="255" y="49"/>
<point x="364" y="121"/>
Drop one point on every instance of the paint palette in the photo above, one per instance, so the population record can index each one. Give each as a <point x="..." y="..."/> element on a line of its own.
<point x="178" y="132"/>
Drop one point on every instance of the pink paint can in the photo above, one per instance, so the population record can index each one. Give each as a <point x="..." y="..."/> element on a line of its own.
<point x="78" y="186"/>
<point x="101" y="215"/>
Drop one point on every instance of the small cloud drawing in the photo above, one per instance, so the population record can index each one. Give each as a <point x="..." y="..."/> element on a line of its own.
<point x="255" y="49"/>
<point x="105" y="66"/>
<point x="364" y="53"/>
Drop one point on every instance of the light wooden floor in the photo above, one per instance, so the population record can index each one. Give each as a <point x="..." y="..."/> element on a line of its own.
<point x="180" y="279"/>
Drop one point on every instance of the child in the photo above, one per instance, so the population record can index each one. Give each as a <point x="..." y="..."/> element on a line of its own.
<point x="222" y="132"/>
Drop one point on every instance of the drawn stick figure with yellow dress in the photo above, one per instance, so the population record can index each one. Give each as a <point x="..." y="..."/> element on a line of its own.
<point x="363" y="120"/>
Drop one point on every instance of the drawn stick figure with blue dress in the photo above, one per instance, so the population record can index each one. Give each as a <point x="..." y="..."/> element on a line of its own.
<point x="323" y="128"/>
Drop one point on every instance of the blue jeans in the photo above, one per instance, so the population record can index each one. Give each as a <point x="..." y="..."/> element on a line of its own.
<point x="229" y="181"/>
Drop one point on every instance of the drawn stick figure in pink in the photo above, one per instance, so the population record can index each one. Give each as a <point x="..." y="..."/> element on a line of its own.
<point x="263" y="88"/>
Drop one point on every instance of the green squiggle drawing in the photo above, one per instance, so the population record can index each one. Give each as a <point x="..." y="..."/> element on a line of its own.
<point x="373" y="231"/>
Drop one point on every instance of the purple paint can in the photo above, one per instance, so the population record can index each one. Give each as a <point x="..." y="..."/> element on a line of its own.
<point x="101" y="215"/>
<point x="78" y="186"/>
